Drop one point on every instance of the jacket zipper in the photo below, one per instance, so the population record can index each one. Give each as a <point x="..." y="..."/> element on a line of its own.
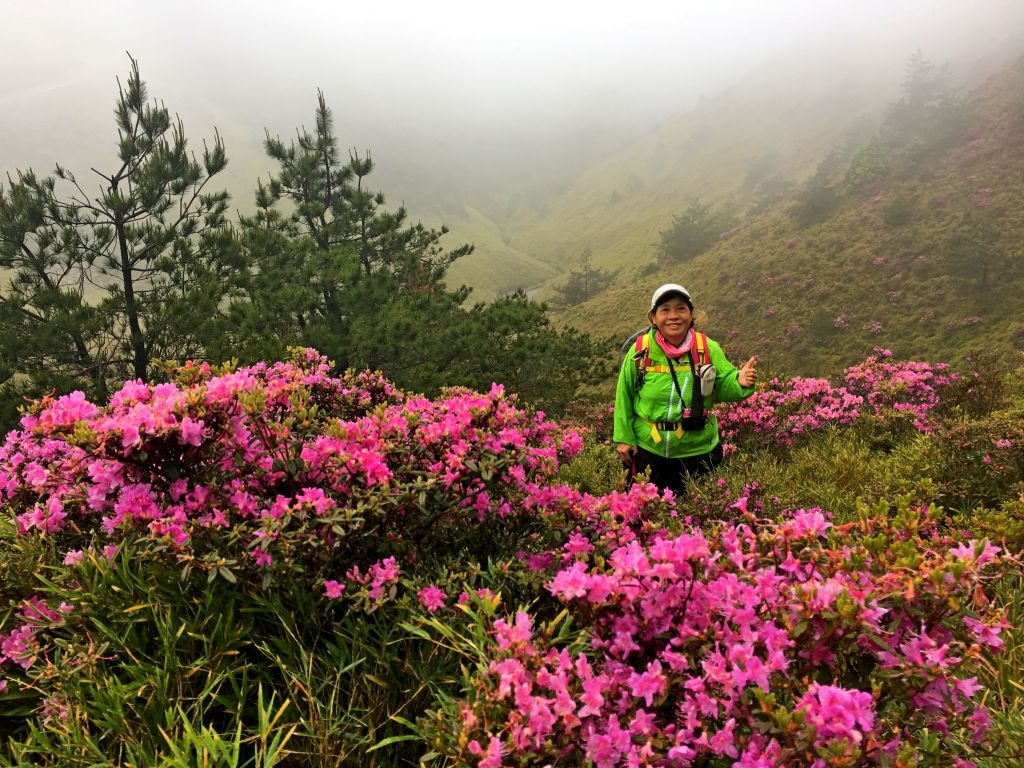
<point x="671" y="396"/>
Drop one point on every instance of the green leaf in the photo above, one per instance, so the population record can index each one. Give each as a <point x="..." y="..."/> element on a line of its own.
<point x="393" y="740"/>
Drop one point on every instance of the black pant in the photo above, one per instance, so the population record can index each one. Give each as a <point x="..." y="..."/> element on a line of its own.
<point x="673" y="473"/>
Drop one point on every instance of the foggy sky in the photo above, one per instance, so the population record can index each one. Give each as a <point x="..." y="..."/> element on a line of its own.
<point x="428" y="84"/>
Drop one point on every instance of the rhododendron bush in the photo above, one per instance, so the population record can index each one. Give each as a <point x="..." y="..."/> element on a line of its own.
<point x="269" y="476"/>
<point x="626" y="628"/>
<point x="898" y="393"/>
<point x="763" y="642"/>
<point x="272" y="465"/>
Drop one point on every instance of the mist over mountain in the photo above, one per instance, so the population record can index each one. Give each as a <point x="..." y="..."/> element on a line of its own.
<point x="453" y="101"/>
<point x="533" y="134"/>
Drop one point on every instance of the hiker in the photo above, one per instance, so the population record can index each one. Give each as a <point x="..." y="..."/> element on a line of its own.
<point x="659" y="424"/>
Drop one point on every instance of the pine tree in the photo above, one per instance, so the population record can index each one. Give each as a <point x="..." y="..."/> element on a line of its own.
<point x="928" y="115"/>
<point x="332" y="268"/>
<point x="325" y="251"/>
<point x="585" y="281"/>
<point x="695" y="230"/>
<point x="102" y="283"/>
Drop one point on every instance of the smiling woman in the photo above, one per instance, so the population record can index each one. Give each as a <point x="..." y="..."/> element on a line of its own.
<point x="665" y="392"/>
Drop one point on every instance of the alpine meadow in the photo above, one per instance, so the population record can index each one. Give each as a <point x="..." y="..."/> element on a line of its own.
<point x="308" y="474"/>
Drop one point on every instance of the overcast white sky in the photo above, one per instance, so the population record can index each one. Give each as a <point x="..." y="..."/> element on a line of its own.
<point x="477" y="72"/>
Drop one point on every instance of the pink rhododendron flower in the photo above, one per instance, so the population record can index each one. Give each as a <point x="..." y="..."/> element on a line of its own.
<point x="262" y="558"/>
<point x="74" y="557"/>
<point x="572" y="443"/>
<point x="191" y="431"/>
<point x="519" y="633"/>
<point x="681" y="613"/>
<point x="432" y="598"/>
<point x="540" y="561"/>
<point x="838" y="713"/>
<point x="333" y="589"/>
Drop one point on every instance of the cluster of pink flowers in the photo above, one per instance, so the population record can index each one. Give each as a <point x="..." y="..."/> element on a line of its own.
<point x="785" y="410"/>
<point x="734" y="641"/>
<point x="21" y="646"/>
<point x="879" y="387"/>
<point x="260" y="447"/>
<point x="754" y="640"/>
<point x="379" y="582"/>
<point x="432" y="597"/>
<point x="381" y="577"/>
<point x="276" y="469"/>
<point x="901" y="386"/>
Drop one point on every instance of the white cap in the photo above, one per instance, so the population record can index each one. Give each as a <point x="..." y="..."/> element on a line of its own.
<point x="665" y="289"/>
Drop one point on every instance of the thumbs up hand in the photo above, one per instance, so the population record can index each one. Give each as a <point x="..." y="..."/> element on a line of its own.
<point x="748" y="373"/>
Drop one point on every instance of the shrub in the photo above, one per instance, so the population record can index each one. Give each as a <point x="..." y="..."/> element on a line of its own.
<point x="868" y="165"/>
<point x="231" y="506"/>
<point x="898" y="212"/>
<point x="893" y="395"/>
<point x="979" y="463"/>
<point x="694" y="231"/>
<point x="244" y="567"/>
<point x="750" y="640"/>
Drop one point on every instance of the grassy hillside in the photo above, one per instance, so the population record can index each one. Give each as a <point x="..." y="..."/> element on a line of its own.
<point x="926" y="261"/>
<point x="495" y="268"/>
<point x="779" y="122"/>
<point x="529" y="225"/>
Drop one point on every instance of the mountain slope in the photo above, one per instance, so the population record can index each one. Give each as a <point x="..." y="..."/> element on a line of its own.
<point x="927" y="261"/>
<point x="780" y="121"/>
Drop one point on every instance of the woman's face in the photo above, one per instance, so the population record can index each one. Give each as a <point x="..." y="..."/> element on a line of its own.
<point x="672" y="318"/>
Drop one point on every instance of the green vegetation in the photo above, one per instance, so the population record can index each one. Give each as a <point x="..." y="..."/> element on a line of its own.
<point x="101" y="288"/>
<point x="194" y="654"/>
<point x="183" y="641"/>
<point x="694" y="231"/>
<point x="101" y="285"/>
<point x="585" y="281"/>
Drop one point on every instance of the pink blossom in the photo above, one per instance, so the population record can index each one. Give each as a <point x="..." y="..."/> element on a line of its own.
<point x="648" y="684"/>
<point x="74" y="557"/>
<point x="333" y="589"/>
<point x="518" y="633"/>
<point x="191" y="431"/>
<point x="838" y="713"/>
<point x="432" y="598"/>
<point x="262" y="558"/>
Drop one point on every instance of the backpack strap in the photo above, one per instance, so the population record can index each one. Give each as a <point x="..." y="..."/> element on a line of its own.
<point x="642" y="357"/>
<point x="699" y="351"/>
<point x="643" y="342"/>
<point x="700" y="354"/>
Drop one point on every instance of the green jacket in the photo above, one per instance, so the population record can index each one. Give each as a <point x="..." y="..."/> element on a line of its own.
<point x="658" y="401"/>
